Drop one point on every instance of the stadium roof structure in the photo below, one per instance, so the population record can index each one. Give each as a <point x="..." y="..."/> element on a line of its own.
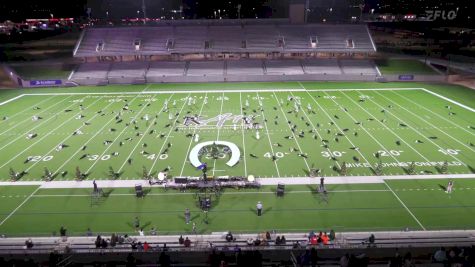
<point x="167" y="39"/>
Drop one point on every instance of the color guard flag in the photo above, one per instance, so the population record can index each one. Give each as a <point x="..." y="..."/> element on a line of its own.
<point x="202" y="166"/>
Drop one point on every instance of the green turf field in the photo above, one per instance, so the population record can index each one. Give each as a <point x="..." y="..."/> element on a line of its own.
<point x="404" y="66"/>
<point x="368" y="130"/>
<point x="372" y="129"/>
<point x="394" y="205"/>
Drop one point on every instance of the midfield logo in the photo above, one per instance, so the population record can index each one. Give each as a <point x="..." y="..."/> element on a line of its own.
<point x="221" y="120"/>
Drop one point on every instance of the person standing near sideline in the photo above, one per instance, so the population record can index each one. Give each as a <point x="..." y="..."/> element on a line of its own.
<point x="321" y="187"/>
<point x="449" y="187"/>
<point x="187" y="216"/>
<point x="259" y="208"/>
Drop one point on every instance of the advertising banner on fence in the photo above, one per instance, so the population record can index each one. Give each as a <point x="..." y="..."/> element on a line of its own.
<point x="45" y="82"/>
<point x="406" y="77"/>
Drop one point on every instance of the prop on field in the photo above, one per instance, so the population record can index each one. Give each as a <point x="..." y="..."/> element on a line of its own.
<point x="343" y="169"/>
<point x="444" y="168"/>
<point x="79" y="175"/>
<point x="411" y="169"/>
<point x="14" y="176"/>
<point x="48" y="176"/>
<point x="378" y="169"/>
<point x="112" y="174"/>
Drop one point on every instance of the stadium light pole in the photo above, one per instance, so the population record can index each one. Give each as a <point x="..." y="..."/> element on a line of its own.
<point x="144" y="13"/>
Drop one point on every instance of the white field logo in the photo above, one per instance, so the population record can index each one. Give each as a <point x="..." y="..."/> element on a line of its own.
<point x="441" y="14"/>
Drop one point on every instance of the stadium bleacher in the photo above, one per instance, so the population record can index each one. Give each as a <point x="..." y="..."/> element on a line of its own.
<point x="231" y="50"/>
<point x="229" y="38"/>
<point x="321" y="66"/>
<point x="284" y="67"/>
<point x="205" y="68"/>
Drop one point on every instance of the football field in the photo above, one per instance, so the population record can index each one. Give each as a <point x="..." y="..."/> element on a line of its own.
<point x="280" y="131"/>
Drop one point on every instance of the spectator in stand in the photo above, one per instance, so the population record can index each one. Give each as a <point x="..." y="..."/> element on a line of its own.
<point x="371" y="241"/>
<point x="229" y="237"/>
<point x="319" y="239"/>
<point x="187" y="242"/>
<point x="181" y="240"/>
<point x="28" y="243"/>
<point x="277" y="240"/>
<point x="268" y="236"/>
<point x="310" y="235"/>
<point x="114" y="240"/>
<point x="314" y="240"/>
<point x="408" y="261"/>
<point x="325" y="239"/>
<point x="146" y="246"/>
<point x="250" y="241"/>
<point x="396" y="261"/>
<point x="345" y="260"/>
<point x="104" y="243"/>
<point x="332" y="235"/>
<point x="282" y="240"/>
<point x="98" y="241"/>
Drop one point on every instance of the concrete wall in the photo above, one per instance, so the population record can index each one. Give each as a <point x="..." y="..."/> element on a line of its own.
<point x="417" y="78"/>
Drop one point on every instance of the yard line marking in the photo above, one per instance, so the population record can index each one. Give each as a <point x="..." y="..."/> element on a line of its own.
<point x="293" y="134"/>
<point x="394" y="133"/>
<point x="316" y="131"/>
<point x="145" y="133"/>
<point x="415" y="130"/>
<point x="19" y="206"/>
<point x="64" y="140"/>
<point x="242" y="131"/>
<point x="194" y="132"/>
<point x="117" y="137"/>
<point x="456" y="125"/>
<point x="268" y="138"/>
<point x="168" y="135"/>
<point x="450" y="100"/>
<point x="404" y="205"/>
<point x="219" y="128"/>
<point x="44" y="136"/>
<point x="37" y="125"/>
<point x="338" y="127"/>
<point x="364" y="129"/>
<point x="26" y="109"/>
<point x="87" y="142"/>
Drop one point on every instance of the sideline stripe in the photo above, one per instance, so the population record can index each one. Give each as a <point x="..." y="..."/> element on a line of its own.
<point x="228" y="193"/>
<point x="229" y="91"/>
<point x="450" y="100"/>
<point x="11" y="99"/>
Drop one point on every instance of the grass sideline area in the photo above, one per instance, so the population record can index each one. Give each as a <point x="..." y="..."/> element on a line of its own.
<point x="35" y="71"/>
<point x="404" y="66"/>
<point x="395" y="205"/>
<point x="395" y="124"/>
